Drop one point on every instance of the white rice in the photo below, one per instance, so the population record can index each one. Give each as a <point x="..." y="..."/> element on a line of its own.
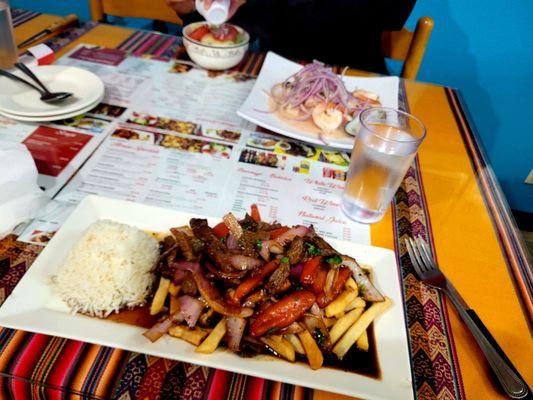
<point x="108" y="269"/>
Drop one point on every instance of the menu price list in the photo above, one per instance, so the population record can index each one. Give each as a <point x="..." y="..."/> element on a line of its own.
<point x="150" y="174"/>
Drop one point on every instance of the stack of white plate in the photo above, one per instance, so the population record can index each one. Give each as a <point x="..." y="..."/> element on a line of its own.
<point x="22" y="103"/>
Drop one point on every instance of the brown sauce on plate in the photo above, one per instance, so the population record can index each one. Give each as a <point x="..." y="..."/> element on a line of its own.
<point x="139" y="316"/>
<point x="355" y="361"/>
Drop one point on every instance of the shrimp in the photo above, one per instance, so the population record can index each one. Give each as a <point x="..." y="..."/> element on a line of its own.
<point x="370" y="97"/>
<point x="327" y="117"/>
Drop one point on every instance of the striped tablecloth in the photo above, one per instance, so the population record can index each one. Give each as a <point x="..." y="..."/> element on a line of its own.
<point x="44" y="367"/>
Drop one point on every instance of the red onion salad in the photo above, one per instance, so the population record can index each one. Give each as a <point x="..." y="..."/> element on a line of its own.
<point x="317" y="92"/>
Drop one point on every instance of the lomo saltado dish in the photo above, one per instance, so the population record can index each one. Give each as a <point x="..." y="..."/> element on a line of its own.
<point x="259" y="287"/>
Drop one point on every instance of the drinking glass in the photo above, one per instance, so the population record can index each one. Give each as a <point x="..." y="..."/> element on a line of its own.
<point x="386" y="143"/>
<point x="8" y="49"/>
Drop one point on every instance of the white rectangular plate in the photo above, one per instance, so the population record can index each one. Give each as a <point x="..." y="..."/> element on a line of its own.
<point x="34" y="307"/>
<point x="276" y="69"/>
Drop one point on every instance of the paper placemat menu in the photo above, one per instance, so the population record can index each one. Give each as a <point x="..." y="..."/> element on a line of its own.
<point x="170" y="137"/>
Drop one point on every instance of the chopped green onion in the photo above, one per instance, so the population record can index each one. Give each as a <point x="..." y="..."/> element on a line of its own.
<point x="335" y="260"/>
<point x="313" y="250"/>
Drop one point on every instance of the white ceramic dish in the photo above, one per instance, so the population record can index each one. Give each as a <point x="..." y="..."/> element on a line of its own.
<point x="19" y="99"/>
<point x="53" y="117"/>
<point x="214" y="57"/>
<point x="34" y="307"/>
<point x="276" y="69"/>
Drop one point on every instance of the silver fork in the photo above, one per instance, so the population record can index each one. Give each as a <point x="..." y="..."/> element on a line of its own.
<point x="428" y="271"/>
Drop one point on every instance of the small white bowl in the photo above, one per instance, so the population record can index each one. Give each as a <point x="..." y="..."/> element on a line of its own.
<point x="212" y="56"/>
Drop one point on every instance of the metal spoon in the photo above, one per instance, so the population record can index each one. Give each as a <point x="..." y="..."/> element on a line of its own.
<point x="46" y="95"/>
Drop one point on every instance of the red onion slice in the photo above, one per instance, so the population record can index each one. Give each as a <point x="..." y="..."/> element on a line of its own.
<point x="235" y="326"/>
<point x="286" y="237"/>
<point x="233" y="225"/>
<point x="264" y="252"/>
<point x="232" y="243"/>
<point x="296" y="270"/>
<point x="158" y="330"/>
<point x="211" y="294"/>
<point x="190" y="310"/>
<point x="244" y="263"/>
<point x="369" y="292"/>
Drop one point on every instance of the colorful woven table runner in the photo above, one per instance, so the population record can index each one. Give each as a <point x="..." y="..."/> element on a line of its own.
<point x="40" y="366"/>
<point x="20" y="16"/>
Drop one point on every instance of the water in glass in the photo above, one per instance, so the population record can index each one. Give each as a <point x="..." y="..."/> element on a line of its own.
<point x="381" y="156"/>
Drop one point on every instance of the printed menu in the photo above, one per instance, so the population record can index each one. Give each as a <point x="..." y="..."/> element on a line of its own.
<point x="168" y="135"/>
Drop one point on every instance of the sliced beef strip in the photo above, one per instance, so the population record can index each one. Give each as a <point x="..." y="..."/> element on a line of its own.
<point x="278" y="279"/>
<point x="296" y="250"/>
<point x="185" y="245"/>
<point x="248" y="242"/>
<point x="325" y="248"/>
<point x="169" y="250"/>
<point x="248" y="223"/>
<point x="217" y="251"/>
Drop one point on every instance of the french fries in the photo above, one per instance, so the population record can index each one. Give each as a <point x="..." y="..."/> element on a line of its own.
<point x="339" y="315"/>
<point x="339" y="304"/>
<point x="360" y="326"/>
<point x="343" y="324"/>
<point x="193" y="336"/>
<point x="350" y="284"/>
<point x="366" y="267"/>
<point x="314" y="355"/>
<point x="160" y="296"/>
<point x="281" y="346"/>
<point x="293" y="339"/>
<point x="358" y="302"/>
<point x="174" y="289"/>
<point x="329" y="322"/>
<point x="362" y="342"/>
<point x="174" y="305"/>
<point x="212" y="341"/>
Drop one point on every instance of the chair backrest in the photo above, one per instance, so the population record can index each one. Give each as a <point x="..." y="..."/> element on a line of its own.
<point x="408" y="46"/>
<point x="151" y="9"/>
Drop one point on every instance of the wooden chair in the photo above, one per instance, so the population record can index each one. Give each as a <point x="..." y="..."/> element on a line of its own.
<point x="151" y="9"/>
<point x="408" y="46"/>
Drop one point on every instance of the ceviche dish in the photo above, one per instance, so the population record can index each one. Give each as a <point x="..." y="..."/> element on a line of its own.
<point x="246" y="286"/>
<point x="217" y="35"/>
<point x="315" y="98"/>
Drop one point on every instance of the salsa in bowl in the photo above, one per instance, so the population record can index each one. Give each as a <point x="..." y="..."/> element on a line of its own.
<point x="215" y="47"/>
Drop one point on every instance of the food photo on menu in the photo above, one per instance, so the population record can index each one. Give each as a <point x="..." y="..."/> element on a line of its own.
<point x="230" y="199"/>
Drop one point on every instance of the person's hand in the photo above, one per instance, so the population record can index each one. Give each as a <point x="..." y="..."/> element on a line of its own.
<point x="233" y="7"/>
<point x="181" y="7"/>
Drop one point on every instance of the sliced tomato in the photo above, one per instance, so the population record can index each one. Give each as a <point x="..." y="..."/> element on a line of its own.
<point x="320" y="280"/>
<point x="254" y="281"/>
<point x="274" y="233"/>
<point x="255" y="213"/>
<point x="225" y="33"/>
<point x="309" y="271"/>
<point x="199" y="33"/>
<point x="221" y="230"/>
<point x="322" y="299"/>
<point x="282" y="313"/>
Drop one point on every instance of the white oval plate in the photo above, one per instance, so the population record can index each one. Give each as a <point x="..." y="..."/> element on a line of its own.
<point x="19" y="99"/>
<point x="34" y="307"/>
<point x="276" y="69"/>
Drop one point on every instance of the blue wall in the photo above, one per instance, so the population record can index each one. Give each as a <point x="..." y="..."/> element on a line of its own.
<point x="485" y="48"/>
